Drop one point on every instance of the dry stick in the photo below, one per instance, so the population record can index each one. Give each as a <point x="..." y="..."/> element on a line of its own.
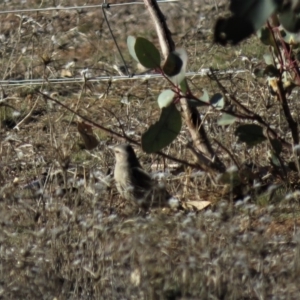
<point x="204" y="151"/>
<point x="206" y="156"/>
<point x="118" y="120"/>
<point x="115" y="134"/>
<point x="286" y="48"/>
<point x="28" y="115"/>
<point x="281" y="95"/>
<point x="2" y="103"/>
<point x="78" y="101"/>
<point x="287" y="113"/>
<point x="164" y="35"/>
<point x="109" y="131"/>
<point x="106" y="6"/>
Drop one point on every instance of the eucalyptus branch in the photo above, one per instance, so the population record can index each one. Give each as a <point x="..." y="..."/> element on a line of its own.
<point x="113" y="133"/>
<point x="281" y="94"/>
<point x="189" y="114"/>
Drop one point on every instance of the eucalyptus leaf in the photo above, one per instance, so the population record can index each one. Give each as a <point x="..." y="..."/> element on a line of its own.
<point x="251" y="134"/>
<point x="130" y="45"/>
<point x="289" y="19"/>
<point x="147" y="53"/>
<point x="183" y="86"/>
<point x="163" y="132"/>
<point x="265" y="35"/>
<point x="248" y="16"/>
<point x="165" y="98"/>
<point x="275" y="160"/>
<point x="217" y="101"/>
<point x="178" y="74"/>
<point x="276" y="145"/>
<point x="259" y="73"/>
<point x="290" y="38"/>
<point x="226" y="119"/>
<point x="271" y="71"/>
<point x="225" y="30"/>
<point x="173" y="64"/>
<point x="205" y="96"/>
<point x="255" y="11"/>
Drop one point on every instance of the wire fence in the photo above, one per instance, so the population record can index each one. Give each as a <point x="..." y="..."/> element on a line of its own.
<point x="202" y="72"/>
<point x="78" y="79"/>
<point x="56" y="8"/>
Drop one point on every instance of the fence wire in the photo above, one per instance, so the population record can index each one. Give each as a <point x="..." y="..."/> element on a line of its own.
<point x="202" y="72"/>
<point x="104" y="6"/>
<point x="56" y="8"/>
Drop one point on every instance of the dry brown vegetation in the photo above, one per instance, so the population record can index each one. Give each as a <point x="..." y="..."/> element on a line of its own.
<point x="74" y="238"/>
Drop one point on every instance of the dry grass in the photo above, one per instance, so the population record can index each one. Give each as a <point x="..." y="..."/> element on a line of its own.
<point x="74" y="238"/>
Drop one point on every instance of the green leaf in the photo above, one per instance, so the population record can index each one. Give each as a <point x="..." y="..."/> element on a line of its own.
<point x="248" y="16"/>
<point x="147" y="53"/>
<point x="175" y="68"/>
<point x="226" y="119"/>
<point x="205" y="96"/>
<point x="130" y="45"/>
<point x="276" y="145"/>
<point x="251" y="134"/>
<point x="290" y="38"/>
<point x="217" y="101"/>
<point x="173" y="64"/>
<point x="271" y="71"/>
<point x="163" y="132"/>
<point x="265" y="36"/>
<point x="255" y="11"/>
<point x="203" y="100"/>
<point x="259" y="73"/>
<point x="297" y="53"/>
<point x="289" y="19"/>
<point x="183" y="86"/>
<point x="225" y="30"/>
<point x="274" y="159"/>
<point x="165" y="98"/>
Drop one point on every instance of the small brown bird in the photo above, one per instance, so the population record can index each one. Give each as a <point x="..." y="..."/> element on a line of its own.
<point x="134" y="184"/>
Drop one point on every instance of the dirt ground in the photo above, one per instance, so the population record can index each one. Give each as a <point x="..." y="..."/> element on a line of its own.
<point x="65" y="232"/>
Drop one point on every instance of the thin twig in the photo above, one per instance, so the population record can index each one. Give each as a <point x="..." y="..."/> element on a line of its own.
<point x="28" y="115"/>
<point x="105" y="6"/>
<point x="115" y="134"/>
<point x="228" y="152"/>
<point x="250" y="114"/>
